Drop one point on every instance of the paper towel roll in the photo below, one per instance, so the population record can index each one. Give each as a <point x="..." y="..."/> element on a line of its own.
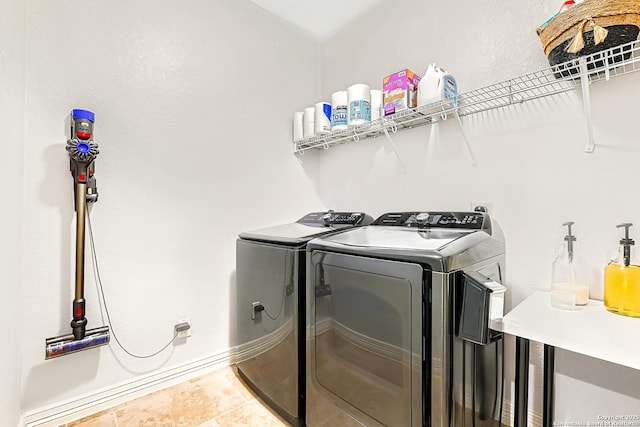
<point x="308" y="129"/>
<point x="339" y="110"/>
<point x="322" y="123"/>
<point x="376" y="104"/>
<point x="298" y="121"/>
<point x="359" y="97"/>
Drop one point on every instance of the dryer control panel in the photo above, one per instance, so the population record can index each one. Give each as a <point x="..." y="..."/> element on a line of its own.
<point x="464" y="220"/>
<point x="334" y="219"/>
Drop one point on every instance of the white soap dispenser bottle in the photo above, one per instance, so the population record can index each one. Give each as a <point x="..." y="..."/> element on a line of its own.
<point x="563" y="272"/>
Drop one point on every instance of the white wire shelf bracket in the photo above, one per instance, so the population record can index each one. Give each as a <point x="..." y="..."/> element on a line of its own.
<point x="557" y="79"/>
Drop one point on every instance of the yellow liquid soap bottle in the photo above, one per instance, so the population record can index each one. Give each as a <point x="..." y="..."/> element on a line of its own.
<point x="622" y="279"/>
<point x="563" y="273"/>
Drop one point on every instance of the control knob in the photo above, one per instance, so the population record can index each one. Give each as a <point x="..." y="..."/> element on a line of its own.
<point x="327" y="218"/>
<point x="422" y="218"/>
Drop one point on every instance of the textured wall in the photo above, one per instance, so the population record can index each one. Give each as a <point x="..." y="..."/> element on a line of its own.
<point x="531" y="163"/>
<point x="193" y="122"/>
<point x="12" y="35"/>
<point x="193" y="116"/>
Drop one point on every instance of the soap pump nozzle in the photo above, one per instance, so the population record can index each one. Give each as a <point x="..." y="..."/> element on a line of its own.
<point x="626" y="243"/>
<point x="569" y="238"/>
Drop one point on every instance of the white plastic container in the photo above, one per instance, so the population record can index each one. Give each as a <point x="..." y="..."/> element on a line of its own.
<point x="359" y="97"/>
<point x="376" y="104"/>
<point x="322" y="118"/>
<point x="339" y="110"/>
<point x="437" y="86"/>
<point x="308" y="125"/>
<point x="298" y="125"/>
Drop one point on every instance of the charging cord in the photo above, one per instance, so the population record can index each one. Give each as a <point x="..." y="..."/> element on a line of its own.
<point x="98" y="280"/>
<point x="284" y="293"/>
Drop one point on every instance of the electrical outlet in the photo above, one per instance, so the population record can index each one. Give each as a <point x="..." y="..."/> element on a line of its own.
<point x="256" y="307"/>
<point x="182" y="328"/>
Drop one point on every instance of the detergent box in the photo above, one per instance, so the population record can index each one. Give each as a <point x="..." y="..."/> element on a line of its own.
<point x="400" y="91"/>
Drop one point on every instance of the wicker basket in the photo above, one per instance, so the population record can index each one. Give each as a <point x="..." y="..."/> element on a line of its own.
<point x="571" y="34"/>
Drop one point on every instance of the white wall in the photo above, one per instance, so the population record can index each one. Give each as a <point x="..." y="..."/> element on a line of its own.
<point x="182" y="170"/>
<point x="12" y="35"/>
<point x="194" y="134"/>
<point x="531" y="163"/>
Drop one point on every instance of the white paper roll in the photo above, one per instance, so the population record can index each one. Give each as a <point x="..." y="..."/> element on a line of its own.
<point x="308" y="122"/>
<point x="322" y="123"/>
<point x="298" y="126"/>
<point x="339" y="110"/>
<point x="359" y="97"/>
<point x="376" y="104"/>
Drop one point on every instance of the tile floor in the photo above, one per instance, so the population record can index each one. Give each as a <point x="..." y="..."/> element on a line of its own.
<point x="221" y="399"/>
<point x="218" y="399"/>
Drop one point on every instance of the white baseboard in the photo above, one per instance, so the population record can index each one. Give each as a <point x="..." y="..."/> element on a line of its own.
<point x="80" y="407"/>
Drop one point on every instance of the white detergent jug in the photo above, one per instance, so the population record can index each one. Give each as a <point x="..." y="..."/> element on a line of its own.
<point x="437" y="86"/>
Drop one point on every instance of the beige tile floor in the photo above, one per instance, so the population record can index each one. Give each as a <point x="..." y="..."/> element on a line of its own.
<point x="221" y="399"/>
<point x="218" y="399"/>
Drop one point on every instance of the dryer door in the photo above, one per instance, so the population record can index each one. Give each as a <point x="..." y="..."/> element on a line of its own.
<point x="366" y="341"/>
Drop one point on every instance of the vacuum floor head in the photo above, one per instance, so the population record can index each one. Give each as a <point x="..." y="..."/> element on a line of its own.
<point x="66" y="344"/>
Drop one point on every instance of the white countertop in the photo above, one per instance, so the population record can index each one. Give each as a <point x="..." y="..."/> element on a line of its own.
<point x="592" y="331"/>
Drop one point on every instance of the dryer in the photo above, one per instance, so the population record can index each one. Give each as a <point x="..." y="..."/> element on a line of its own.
<point x="400" y="317"/>
<point x="270" y="307"/>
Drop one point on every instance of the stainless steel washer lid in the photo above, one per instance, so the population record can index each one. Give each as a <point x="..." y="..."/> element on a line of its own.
<point x="308" y="227"/>
<point x="443" y="249"/>
<point x="399" y="238"/>
<point x="290" y="234"/>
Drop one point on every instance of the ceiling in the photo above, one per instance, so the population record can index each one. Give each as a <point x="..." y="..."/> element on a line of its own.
<point x="319" y="18"/>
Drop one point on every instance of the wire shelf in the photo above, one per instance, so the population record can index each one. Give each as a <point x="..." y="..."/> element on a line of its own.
<point x="565" y="77"/>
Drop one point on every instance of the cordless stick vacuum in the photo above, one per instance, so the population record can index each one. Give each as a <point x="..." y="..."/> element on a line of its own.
<point x="82" y="152"/>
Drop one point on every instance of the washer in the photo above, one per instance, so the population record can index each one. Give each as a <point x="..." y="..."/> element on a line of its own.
<point x="399" y="322"/>
<point x="270" y="307"/>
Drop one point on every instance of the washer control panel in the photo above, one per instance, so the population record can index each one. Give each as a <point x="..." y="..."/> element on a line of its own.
<point x="464" y="220"/>
<point x="331" y="218"/>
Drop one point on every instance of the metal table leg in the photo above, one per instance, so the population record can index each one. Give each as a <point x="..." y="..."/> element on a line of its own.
<point x="548" y="385"/>
<point x="521" y="382"/>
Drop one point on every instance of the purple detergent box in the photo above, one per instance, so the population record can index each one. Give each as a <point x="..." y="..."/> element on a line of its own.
<point x="400" y="91"/>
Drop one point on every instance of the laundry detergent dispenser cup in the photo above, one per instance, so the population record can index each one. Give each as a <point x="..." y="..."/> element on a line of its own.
<point x="622" y="279"/>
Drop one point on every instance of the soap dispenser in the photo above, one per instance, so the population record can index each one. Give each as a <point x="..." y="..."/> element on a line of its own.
<point x="563" y="272"/>
<point x="622" y="279"/>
